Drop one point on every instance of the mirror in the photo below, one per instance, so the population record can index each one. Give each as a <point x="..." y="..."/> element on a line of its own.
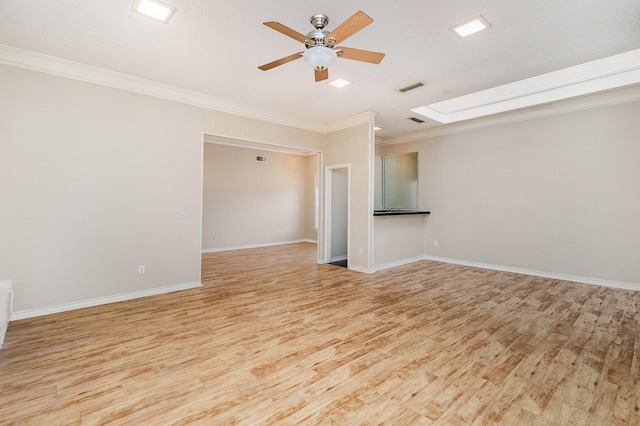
<point x="400" y="182"/>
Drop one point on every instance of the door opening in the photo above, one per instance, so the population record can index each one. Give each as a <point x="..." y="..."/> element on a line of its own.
<point x="337" y="229"/>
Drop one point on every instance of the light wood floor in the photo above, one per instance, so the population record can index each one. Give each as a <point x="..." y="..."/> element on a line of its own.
<point x="273" y="338"/>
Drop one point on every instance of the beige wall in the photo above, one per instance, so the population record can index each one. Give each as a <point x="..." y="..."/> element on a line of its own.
<point x="558" y="194"/>
<point x="239" y="127"/>
<point x="355" y="146"/>
<point x="251" y="203"/>
<point x="312" y="180"/>
<point x="91" y="183"/>
<point x="398" y="239"/>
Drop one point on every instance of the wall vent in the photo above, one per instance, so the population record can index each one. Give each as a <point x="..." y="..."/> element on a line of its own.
<point x="416" y="119"/>
<point x="261" y="158"/>
<point x="410" y="87"/>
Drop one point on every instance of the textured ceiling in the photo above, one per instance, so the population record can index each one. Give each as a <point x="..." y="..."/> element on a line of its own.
<point x="215" y="47"/>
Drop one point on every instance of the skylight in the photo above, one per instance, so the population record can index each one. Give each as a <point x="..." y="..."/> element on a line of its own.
<point x="591" y="77"/>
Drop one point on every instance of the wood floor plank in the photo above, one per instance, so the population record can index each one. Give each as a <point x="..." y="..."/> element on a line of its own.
<point x="274" y="338"/>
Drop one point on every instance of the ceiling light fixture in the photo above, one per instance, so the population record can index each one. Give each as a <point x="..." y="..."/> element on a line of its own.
<point x="376" y="128"/>
<point x="154" y="9"/>
<point x="319" y="57"/>
<point x="340" y="82"/>
<point x="471" y="26"/>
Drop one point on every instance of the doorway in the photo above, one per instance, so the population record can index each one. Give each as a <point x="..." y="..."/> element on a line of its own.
<point x="337" y="214"/>
<point x="242" y="180"/>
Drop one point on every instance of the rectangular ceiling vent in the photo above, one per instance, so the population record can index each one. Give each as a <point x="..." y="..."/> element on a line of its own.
<point x="417" y="120"/>
<point x="261" y="158"/>
<point x="411" y="87"/>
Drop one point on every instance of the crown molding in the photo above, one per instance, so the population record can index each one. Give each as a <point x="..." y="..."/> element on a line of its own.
<point x="64" y="68"/>
<point x="596" y="100"/>
<point x="354" y="120"/>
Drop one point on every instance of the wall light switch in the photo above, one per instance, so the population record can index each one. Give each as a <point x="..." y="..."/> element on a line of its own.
<point x="182" y="215"/>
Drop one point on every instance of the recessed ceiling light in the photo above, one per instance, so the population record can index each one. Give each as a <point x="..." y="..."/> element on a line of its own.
<point x="471" y="26"/>
<point x="340" y="82"/>
<point x="154" y="9"/>
<point x="376" y="128"/>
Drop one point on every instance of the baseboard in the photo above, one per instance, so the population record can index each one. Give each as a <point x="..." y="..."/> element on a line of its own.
<point x="398" y="263"/>
<point x="361" y="269"/>
<point x="30" y="313"/>
<point x="338" y="258"/>
<point x="250" y="246"/>
<point x="6" y="297"/>
<point x="564" y="277"/>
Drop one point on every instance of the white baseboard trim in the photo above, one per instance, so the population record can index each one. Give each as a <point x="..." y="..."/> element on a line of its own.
<point x="361" y="269"/>
<point x="398" y="263"/>
<point x="250" y="246"/>
<point x="337" y="258"/>
<point x="553" y="275"/>
<point x="30" y="313"/>
<point x="6" y="301"/>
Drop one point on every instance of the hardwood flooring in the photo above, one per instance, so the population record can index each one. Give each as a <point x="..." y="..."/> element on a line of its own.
<point x="273" y="338"/>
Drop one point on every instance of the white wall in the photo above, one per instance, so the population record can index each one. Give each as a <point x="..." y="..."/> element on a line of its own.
<point x="558" y="194"/>
<point x="251" y="203"/>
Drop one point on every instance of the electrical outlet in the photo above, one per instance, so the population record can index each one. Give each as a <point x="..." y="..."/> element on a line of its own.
<point x="141" y="270"/>
<point x="435" y="243"/>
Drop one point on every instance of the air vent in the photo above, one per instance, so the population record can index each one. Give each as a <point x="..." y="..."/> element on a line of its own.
<point x="411" y="87"/>
<point x="261" y="158"/>
<point x="417" y="120"/>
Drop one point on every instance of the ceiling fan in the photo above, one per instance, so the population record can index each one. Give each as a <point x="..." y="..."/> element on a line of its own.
<point x="320" y="44"/>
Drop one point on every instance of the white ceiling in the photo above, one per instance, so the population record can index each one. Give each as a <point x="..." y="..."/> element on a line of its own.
<point x="215" y="48"/>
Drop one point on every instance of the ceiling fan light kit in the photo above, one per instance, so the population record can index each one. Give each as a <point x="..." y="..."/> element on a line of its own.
<point x="319" y="57"/>
<point x="320" y="44"/>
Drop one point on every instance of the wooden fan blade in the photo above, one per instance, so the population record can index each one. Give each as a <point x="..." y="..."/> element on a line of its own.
<point x="322" y="75"/>
<point x="358" y="21"/>
<point x="280" y="61"/>
<point x="359" y="55"/>
<point x="289" y="32"/>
